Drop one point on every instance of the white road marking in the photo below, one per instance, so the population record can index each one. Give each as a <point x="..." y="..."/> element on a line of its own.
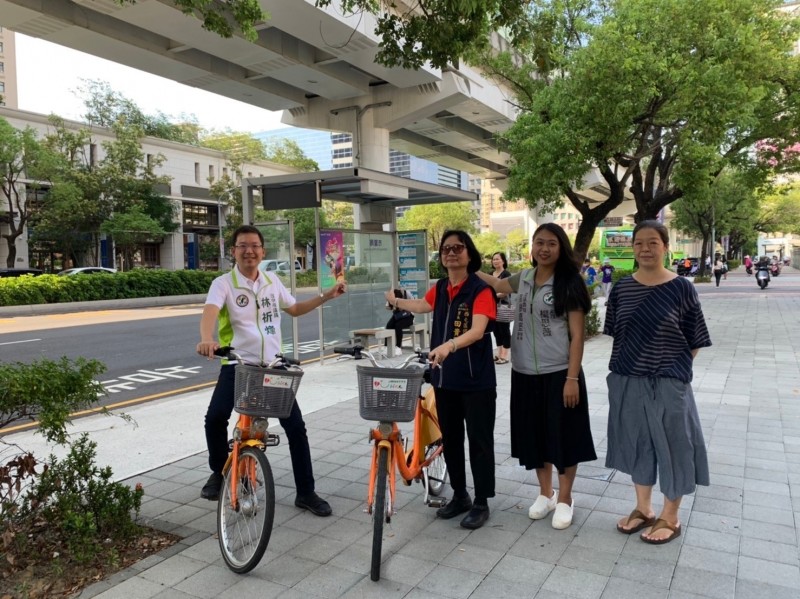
<point x="22" y="341"/>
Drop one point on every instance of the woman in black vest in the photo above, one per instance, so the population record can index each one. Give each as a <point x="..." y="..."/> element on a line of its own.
<point x="464" y="308"/>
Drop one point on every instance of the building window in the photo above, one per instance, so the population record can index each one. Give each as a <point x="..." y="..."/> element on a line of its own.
<point x="210" y="173"/>
<point x="1" y="47"/>
<point x="2" y="67"/>
<point x="2" y="87"/>
<point x="197" y="172"/>
<point x="92" y="154"/>
<point x="149" y="160"/>
<point x="224" y="171"/>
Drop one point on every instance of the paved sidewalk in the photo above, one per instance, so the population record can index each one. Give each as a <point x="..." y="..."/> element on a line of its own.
<point x="740" y="534"/>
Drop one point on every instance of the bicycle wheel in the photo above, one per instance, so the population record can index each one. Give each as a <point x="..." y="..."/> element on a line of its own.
<point x="244" y="529"/>
<point x="437" y="470"/>
<point x="379" y="512"/>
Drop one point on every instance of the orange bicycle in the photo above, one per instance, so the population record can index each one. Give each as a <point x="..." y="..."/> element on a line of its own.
<point x="392" y="395"/>
<point x="246" y="507"/>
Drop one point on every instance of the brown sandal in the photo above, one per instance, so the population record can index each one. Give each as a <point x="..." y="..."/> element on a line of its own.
<point x="661" y="523"/>
<point x="636" y="515"/>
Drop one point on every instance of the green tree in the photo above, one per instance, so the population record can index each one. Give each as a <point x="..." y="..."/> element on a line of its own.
<point x="440" y="31"/>
<point x="517" y="244"/>
<point x="286" y="151"/>
<point x="717" y="212"/>
<point x="25" y="163"/>
<point x="663" y="98"/>
<point x="106" y="107"/>
<point x="223" y="18"/>
<point x="488" y="242"/>
<point x="85" y="194"/>
<point x="237" y="146"/>
<point x="130" y="230"/>
<point x="780" y="211"/>
<point x="438" y="218"/>
<point x="338" y="214"/>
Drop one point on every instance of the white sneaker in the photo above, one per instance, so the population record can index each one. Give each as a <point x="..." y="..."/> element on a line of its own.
<point x="563" y="516"/>
<point x="542" y="506"/>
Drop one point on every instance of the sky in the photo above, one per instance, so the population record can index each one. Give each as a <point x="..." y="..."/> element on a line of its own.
<point x="49" y="75"/>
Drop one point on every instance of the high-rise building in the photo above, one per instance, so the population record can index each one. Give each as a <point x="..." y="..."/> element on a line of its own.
<point x="8" y="69"/>
<point x="332" y="150"/>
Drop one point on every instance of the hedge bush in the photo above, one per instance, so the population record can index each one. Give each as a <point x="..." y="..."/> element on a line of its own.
<point x="54" y="289"/>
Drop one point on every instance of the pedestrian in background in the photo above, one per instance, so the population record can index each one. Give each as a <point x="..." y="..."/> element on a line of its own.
<point x="719" y="268"/>
<point x="502" y="330"/>
<point x="607" y="271"/>
<point x="654" y="429"/>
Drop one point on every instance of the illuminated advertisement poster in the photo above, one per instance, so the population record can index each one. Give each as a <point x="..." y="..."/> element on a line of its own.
<point x="332" y="250"/>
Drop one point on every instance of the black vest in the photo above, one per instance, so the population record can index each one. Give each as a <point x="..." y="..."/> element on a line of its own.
<point x="469" y="368"/>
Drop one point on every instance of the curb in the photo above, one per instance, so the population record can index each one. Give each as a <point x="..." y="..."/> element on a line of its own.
<point x="118" y="304"/>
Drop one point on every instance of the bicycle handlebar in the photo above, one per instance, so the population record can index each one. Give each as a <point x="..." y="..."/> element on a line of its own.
<point x="280" y="360"/>
<point x="358" y="352"/>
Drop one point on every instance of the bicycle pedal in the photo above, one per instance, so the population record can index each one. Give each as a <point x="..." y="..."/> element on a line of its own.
<point x="437" y="503"/>
<point x="272" y="440"/>
<point x="405" y="482"/>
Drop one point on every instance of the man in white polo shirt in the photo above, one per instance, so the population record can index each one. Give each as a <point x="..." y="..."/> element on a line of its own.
<point x="247" y="304"/>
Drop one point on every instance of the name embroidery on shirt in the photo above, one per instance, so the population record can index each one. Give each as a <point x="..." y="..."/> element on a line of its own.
<point x="268" y="308"/>
<point x="461" y="323"/>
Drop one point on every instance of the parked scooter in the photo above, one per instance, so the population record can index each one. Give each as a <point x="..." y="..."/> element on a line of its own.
<point x="762" y="274"/>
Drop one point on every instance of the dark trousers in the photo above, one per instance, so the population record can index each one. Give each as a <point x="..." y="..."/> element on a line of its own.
<point x="477" y="409"/>
<point x="218" y="415"/>
<point x="398" y="324"/>
<point x="718" y="275"/>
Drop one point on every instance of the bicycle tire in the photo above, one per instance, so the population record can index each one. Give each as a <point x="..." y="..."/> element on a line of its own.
<point x="437" y="470"/>
<point x="244" y="530"/>
<point x="379" y="512"/>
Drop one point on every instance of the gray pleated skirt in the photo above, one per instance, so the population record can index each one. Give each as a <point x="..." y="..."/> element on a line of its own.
<point x="654" y="428"/>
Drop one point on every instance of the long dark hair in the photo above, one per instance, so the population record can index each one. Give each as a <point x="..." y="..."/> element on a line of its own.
<point x="475" y="260"/>
<point x="569" y="288"/>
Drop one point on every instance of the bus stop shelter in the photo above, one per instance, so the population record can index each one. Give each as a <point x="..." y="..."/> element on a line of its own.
<point x="372" y="257"/>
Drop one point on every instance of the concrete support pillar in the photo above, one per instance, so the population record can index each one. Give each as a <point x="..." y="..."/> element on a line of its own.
<point x="371" y="150"/>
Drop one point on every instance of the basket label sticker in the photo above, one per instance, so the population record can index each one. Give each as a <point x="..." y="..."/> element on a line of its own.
<point x="278" y="381"/>
<point x="386" y="384"/>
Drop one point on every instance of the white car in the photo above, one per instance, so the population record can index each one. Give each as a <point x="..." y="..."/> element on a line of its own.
<point x="88" y="270"/>
<point x="279" y="266"/>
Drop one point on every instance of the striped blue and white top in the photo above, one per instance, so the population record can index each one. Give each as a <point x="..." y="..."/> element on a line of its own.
<point x="655" y="328"/>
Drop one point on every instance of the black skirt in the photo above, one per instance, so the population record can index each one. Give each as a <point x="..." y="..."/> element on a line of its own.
<point x="542" y="429"/>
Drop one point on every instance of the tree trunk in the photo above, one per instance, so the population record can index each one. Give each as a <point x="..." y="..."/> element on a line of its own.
<point x="591" y="217"/>
<point x="11" y="241"/>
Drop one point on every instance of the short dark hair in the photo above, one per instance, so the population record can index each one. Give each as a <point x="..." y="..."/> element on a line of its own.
<point x="502" y="257"/>
<point x="245" y="230"/>
<point x="658" y="227"/>
<point x="475" y="261"/>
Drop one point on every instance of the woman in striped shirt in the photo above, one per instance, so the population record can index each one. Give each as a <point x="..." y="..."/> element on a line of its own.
<point x="654" y="430"/>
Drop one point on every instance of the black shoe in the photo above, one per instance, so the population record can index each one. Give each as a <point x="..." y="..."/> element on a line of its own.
<point x="212" y="487"/>
<point x="456" y="506"/>
<point x="476" y="518"/>
<point x="314" y="504"/>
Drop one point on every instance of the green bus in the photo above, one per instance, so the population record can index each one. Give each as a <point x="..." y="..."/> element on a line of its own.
<point x="617" y="245"/>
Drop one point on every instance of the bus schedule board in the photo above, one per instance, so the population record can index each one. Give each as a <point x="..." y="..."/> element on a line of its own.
<point x="617" y="246"/>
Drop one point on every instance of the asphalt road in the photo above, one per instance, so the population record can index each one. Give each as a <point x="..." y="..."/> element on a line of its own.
<point x="148" y="351"/>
